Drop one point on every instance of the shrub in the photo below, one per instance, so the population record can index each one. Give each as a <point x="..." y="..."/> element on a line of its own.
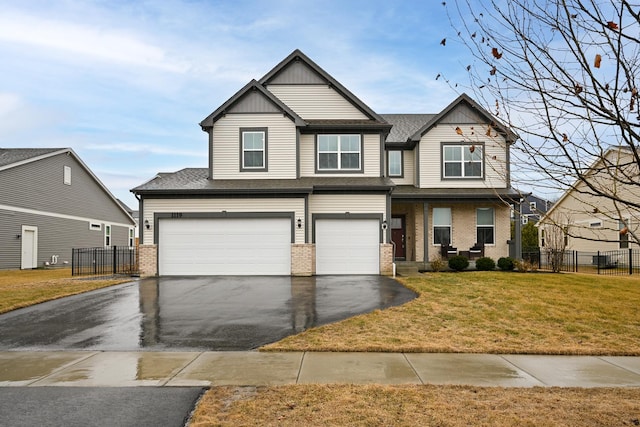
<point x="524" y="266"/>
<point x="436" y="263"/>
<point x="458" y="262"/>
<point x="506" y="264"/>
<point x="485" y="264"/>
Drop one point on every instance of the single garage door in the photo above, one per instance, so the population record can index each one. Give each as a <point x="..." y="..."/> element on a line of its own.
<point x="347" y="246"/>
<point x="224" y="246"/>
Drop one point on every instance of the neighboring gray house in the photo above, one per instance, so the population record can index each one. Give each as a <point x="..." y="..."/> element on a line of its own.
<point x="50" y="202"/>
<point x="534" y="208"/>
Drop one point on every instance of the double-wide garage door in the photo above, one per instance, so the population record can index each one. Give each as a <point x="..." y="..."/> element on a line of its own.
<point x="347" y="246"/>
<point x="224" y="246"/>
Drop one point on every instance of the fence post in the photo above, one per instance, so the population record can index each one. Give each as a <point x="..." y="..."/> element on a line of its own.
<point x="115" y="259"/>
<point x="630" y="261"/>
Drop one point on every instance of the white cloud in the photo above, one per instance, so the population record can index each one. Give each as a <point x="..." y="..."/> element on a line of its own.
<point x="104" y="44"/>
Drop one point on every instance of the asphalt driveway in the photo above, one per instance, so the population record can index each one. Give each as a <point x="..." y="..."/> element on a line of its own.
<point x="196" y="313"/>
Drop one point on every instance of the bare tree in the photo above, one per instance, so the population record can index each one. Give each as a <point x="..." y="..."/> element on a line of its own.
<point x="554" y="236"/>
<point x="564" y="76"/>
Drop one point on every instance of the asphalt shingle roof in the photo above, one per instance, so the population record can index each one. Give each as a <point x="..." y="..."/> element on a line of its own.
<point x="405" y="125"/>
<point x="9" y="156"/>
<point x="196" y="180"/>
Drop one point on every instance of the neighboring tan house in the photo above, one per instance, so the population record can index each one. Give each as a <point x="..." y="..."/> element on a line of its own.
<point x="304" y="178"/>
<point x="50" y="202"/>
<point x="591" y="222"/>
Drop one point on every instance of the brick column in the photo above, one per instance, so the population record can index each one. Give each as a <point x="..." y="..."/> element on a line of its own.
<point x="148" y="260"/>
<point x="303" y="259"/>
<point x="386" y="259"/>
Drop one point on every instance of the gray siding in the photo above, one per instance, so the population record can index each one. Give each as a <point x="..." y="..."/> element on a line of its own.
<point x="39" y="185"/>
<point x="254" y="102"/>
<point x="56" y="236"/>
<point x="297" y="73"/>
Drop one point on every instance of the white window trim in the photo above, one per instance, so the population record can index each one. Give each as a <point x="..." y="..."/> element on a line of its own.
<point x="108" y="235"/>
<point x="398" y="175"/>
<point x="243" y="150"/>
<point x="95" y="226"/>
<point x="338" y="153"/>
<point x="462" y="161"/>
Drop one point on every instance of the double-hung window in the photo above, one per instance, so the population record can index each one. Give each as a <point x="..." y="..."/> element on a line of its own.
<point x="624" y="234"/>
<point x="394" y="159"/>
<point x="339" y="153"/>
<point x="253" y="149"/>
<point x="441" y="226"/>
<point x="462" y="161"/>
<point x="485" y="226"/>
<point x="107" y="236"/>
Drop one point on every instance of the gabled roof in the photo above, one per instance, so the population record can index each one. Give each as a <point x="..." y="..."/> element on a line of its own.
<point x="253" y="85"/>
<point x="14" y="157"/>
<point x="590" y="170"/>
<point x="464" y="98"/>
<point x="297" y="55"/>
<point x="10" y="157"/>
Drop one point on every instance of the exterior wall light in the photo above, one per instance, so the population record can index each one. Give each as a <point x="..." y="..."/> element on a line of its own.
<point x="146" y="224"/>
<point x="299" y="222"/>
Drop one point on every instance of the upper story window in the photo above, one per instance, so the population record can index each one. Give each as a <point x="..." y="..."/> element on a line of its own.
<point x="462" y="161"/>
<point x="339" y="153"/>
<point x="394" y="161"/>
<point x="253" y="149"/>
<point x="532" y="206"/>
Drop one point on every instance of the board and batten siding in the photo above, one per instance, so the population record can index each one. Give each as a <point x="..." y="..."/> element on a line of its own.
<point x="352" y="203"/>
<point x="152" y="206"/>
<point x="56" y="236"/>
<point x="281" y="146"/>
<point x="39" y="185"/>
<point x="409" y="169"/>
<point x="495" y="157"/>
<point x="371" y="154"/>
<point x="313" y="102"/>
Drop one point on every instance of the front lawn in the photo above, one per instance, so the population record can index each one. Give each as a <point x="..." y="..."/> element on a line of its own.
<point x="22" y="288"/>
<point x="494" y="312"/>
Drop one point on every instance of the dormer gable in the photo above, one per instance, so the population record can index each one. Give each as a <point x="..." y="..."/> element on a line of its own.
<point x="464" y="110"/>
<point x="296" y="75"/>
<point x="252" y="98"/>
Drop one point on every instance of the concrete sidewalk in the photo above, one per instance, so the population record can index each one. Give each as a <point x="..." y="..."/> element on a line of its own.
<point x="122" y="369"/>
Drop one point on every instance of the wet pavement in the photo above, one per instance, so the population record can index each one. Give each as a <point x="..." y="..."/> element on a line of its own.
<point x="195" y="313"/>
<point x="251" y="368"/>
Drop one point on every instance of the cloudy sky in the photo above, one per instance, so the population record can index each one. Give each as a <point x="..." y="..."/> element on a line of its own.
<point x="125" y="83"/>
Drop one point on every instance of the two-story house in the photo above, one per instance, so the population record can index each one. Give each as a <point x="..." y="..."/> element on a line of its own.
<point x="50" y="203"/>
<point x="304" y="178"/>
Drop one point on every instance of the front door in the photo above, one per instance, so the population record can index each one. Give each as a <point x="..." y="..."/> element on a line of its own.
<point x="398" y="236"/>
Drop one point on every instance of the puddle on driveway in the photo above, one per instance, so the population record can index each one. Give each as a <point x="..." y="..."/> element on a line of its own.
<point x="196" y="313"/>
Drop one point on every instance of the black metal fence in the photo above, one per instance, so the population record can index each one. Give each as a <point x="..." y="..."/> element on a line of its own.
<point x="104" y="261"/>
<point x="619" y="262"/>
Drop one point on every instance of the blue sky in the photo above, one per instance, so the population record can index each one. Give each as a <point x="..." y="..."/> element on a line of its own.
<point x="125" y="83"/>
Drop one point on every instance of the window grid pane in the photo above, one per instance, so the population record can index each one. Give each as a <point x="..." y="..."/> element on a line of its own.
<point x="253" y="150"/>
<point x="460" y="162"/>
<point x="339" y="152"/>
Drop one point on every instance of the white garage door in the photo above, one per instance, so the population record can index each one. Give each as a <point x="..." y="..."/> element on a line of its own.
<point x="224" y="246"/>
<point x="347" y="246"/>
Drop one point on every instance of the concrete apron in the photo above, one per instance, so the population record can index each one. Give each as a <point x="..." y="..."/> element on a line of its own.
<point x="118" y="369"/>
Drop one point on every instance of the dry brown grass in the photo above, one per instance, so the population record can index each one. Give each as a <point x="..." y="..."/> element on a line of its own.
<point x="341" y="405"/>
<point x="22" y="288"/>
<point x="494" y="312"/>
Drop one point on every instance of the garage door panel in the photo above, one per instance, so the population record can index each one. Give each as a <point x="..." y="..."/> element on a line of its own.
<point x="347" y="246"/>
<point x="225" y="246"/>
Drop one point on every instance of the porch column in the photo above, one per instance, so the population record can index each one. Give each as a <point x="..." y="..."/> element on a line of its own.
<point x="425" y="231"/>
